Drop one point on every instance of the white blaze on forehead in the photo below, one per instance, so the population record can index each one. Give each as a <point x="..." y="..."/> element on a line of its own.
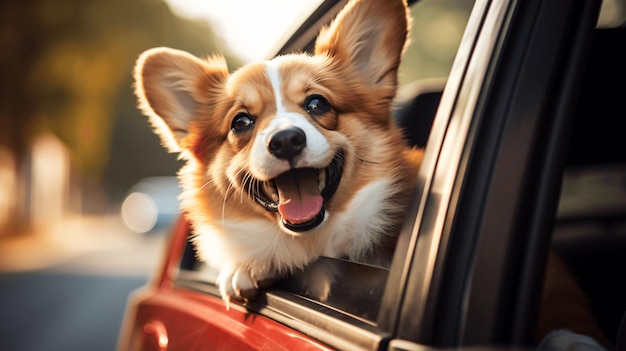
<point x="317" y="153"/>
<point x="272" y="71"/>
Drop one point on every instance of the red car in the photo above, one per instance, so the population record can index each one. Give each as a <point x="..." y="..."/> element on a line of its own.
<point x="525" y="151"/>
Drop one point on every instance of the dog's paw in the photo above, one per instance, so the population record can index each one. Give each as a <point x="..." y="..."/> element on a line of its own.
<point x="239" y="283"/>
<point x="565" y="340"/>
<point x="233" y="281"/>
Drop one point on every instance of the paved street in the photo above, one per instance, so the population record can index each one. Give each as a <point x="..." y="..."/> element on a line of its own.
<point x="66" y="287"/>
<point x="55" y="311"/>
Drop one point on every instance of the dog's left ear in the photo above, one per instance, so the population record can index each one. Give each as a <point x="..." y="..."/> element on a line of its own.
<point x="174" y="89"/>
<point x="368" y="35"/>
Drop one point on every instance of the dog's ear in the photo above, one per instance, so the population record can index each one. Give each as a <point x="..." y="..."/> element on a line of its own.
<point x="368" y="35"/>
<point x="172" y="86"/>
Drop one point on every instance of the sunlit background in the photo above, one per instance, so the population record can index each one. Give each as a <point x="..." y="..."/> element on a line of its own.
<point x="75" y="153"/>
<point x="252" y="30"/>
<point x="85" y="187"/>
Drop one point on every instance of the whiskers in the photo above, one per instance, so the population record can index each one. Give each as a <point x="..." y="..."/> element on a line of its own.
<point x="227" y="194"/>
<point x="244" y="184"/>
<point x="335" y="165"/>
<point x="248" y="186"/>
<point x="364" y="160"/>
<point x="207" y="183"/>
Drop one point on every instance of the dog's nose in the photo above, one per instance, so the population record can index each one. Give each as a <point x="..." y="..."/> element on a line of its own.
<point x="287" y="143"/>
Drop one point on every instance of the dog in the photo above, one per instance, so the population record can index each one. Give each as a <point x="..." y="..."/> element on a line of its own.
<point x="292" y="158"/>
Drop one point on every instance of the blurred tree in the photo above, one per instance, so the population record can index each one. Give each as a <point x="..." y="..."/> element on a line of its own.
<point x="435" y="36"/>
<point x="64" y="63"/>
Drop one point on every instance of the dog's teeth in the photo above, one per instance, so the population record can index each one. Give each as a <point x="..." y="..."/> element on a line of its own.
<point x="274" y="197"/>
<point x="321" y="179"/>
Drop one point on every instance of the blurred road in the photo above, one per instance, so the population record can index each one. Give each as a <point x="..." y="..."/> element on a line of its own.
<point x="65" y="287"/>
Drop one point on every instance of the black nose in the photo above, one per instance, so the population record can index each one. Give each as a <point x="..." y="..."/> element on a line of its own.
<point x="287" y="143"/>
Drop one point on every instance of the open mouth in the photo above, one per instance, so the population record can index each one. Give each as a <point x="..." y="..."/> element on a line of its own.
<point x="299" y="195"/>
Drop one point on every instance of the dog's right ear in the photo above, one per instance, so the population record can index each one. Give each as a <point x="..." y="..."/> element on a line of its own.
<point x="172" y="87"/>
<point x="369" y="37"/>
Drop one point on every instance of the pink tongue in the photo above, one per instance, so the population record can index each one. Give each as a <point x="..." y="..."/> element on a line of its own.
<point x="300" y="199"/>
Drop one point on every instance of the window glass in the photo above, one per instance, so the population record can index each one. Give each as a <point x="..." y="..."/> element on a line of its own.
<point x="435" y="36"/>
<point x="612" y="13"/>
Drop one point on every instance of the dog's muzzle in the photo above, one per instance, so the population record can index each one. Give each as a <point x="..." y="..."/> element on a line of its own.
<point x="300" y="194"/>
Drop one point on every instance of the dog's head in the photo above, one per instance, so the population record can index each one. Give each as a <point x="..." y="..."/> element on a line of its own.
<point x="290" y="139"/>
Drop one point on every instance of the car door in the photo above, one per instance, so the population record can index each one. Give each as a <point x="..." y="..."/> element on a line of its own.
<point x="469" y="269"/>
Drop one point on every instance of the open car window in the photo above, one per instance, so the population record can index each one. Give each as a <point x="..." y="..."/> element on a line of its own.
<point x="354" y="289"/>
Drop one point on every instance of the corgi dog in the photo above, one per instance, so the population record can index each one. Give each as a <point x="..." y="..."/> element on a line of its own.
<point x="292" y="158"/>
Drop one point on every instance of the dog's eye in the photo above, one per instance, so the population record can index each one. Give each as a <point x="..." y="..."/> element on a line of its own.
<point x="316" y="104"/>
<point x="241" y="122"/>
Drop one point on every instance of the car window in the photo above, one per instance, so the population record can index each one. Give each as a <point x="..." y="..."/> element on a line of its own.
<point x="356" y="289"/>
